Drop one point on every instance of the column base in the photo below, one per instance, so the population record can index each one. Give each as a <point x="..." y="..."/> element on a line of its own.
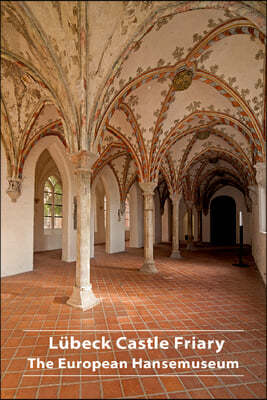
<point x="176" y="254"/>
<point x="149" y="267"/>
<point x="191" y="246"/>
<point x="83" y="298"/>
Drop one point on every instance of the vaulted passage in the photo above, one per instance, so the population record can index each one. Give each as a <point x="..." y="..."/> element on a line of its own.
<point x="223" y="221"/>
<point x="133" y="139"/>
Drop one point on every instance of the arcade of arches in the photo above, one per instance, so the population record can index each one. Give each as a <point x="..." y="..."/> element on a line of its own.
<point x="125" y="125"/>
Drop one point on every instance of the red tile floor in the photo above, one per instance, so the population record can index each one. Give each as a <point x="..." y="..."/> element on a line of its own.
<point x="203" y="291"/>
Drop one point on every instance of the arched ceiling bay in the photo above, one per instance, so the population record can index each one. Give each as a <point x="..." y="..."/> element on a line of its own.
<point x="60" y="65"/>
<point x="226" y="54"/>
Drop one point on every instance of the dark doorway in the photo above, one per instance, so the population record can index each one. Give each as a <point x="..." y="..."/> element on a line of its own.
<point x="223" y="221"/>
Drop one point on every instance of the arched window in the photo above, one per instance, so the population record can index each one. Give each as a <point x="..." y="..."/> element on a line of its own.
<point x="52" y="204"/>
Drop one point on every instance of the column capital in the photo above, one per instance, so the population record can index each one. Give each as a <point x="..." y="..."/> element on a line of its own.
<point x="14" y="188"/>
<point x="198" y="207"/>
<point x="260" y="173"/>
<point x="189" y="204"/>
<point x="253" y="192"/>
<point x="175" y="197"/>
<point x="148" y="187"/>
<point x="83" y="160"/>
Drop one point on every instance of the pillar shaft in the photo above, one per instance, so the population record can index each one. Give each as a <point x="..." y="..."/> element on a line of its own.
<point x="189" y="205"/>
<point x="82" y="295"/>
<point x="175" y="227"/>
<point x="199" y="225"/>
<point x="83" y="228"/>
<point x="148" y="192"/>
<point x="261" y="181"/>
<point x="190" y="224"/>
<point x="148" y="226"/>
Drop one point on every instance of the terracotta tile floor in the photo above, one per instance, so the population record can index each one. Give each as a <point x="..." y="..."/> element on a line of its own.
<point x="201" y="291"/>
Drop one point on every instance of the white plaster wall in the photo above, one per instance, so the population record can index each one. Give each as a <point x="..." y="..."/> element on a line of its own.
<point x="136" y="202"/>
<point x="115" y="229"/>
<point x="16" y="225"/>
<point x="240" y="206"/>
<point x="100" y="234"/>
<point x="262" y="208"/>
<point x="166" y="222"/>
<point x="17" y="222"/>
<point x="92" y="223"/>
<point x="258" y="241"/>
<point x="49" y="239"/>
<point x="184" y="223"/>
<point x="195" y="223"/>
<point x="182" y="220"/>
<point x="98" y="230"/>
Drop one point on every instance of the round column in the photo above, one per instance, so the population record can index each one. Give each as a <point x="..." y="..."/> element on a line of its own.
<point x="189" y="205"/>
<point x="82" y="295"/>
<point x="175" y="226"/>
<point x="199" y="224"/>
<point x="148" y="193"/>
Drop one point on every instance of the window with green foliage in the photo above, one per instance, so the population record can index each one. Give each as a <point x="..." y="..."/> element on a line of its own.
<point x="52" y="204"/>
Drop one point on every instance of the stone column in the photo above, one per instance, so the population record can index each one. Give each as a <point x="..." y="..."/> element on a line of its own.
<point x="148" y="193"/>
<point x="136" y="217"/>
<point x="157" y="219"/>
<point x="199" y="224"/>
<point x="175" y="226"/>
<point x="189" y="205"/>
<point x="254" y="212"/>
<point x="82" y="295"/>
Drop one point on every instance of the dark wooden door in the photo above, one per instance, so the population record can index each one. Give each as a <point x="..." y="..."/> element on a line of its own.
<point x="223" y="221"/>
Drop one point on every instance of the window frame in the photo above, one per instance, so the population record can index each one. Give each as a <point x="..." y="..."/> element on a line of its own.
<point x="53" y="203"/>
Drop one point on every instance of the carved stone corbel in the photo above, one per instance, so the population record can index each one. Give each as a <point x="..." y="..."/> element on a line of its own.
<point x="261" y="174"/>
<point x="253" y="193"/>
<point x="14" y="188"/>
<point x="121" y="210"/>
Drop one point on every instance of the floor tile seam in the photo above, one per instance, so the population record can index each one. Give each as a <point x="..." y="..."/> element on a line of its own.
<point x="135" y="397"/>
<point x="122" y="376"/>
<point x="162" y="385"/>
<point x="247" y="389"/>
<point x="141" y="384"/>
<point x="121" y="386"/>
<point x="22" y="337"/>
<point x="204" y="387"/>
<point x="99" y="380"/>
<point x="60" y="379"/>
<point x="21" y="387"/>
<point x="125" y="378"/>
<point x="180" y="381"/>
<point x="47" y="354"/>
<point x="207" y="388"/>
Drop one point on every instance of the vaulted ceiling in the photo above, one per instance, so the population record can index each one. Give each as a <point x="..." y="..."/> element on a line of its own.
<point x="99" y="75"/>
